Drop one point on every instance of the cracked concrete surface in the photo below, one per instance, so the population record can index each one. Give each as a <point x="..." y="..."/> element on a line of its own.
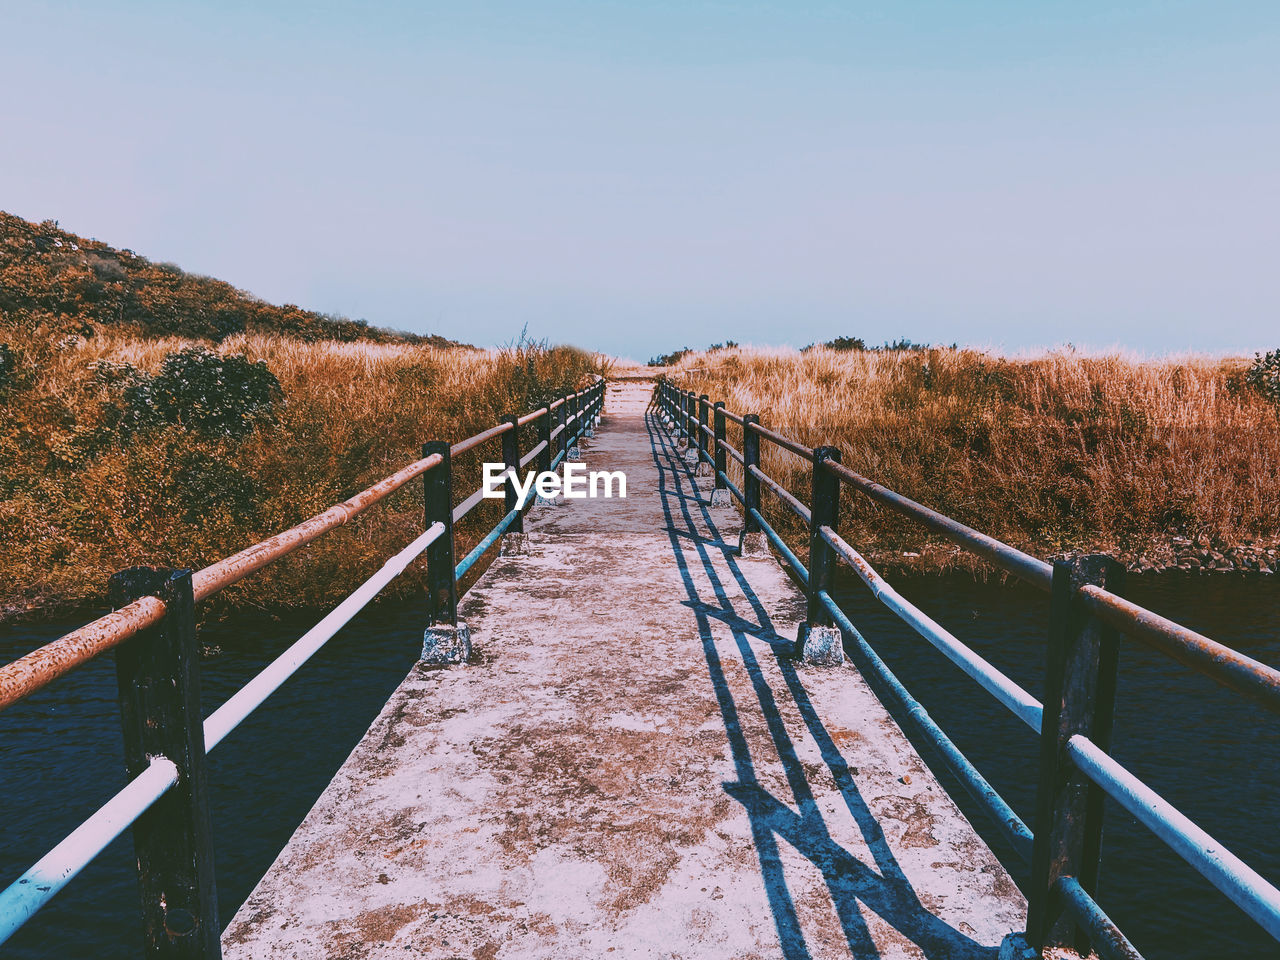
<point x="631" y="765"/>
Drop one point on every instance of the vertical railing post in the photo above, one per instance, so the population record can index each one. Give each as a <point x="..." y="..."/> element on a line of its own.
<point x="158" y="679"/>
<point x="544" y="437"/>
<point x="721" y="463"/>
<point x="442" y="587"/>
<point x="562" y="442"/>
<point x="1079" y="698"/>
<point x="704" y="420"/>
<point x="750" y="482"/>
<point x="824" y="511"/>
<point x="691" y="415"/>
<point x="511" y="461"/>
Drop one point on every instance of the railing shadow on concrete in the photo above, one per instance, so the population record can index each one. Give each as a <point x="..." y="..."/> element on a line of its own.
<point x="882" y="886"/>
<point x="1089" y="619"/>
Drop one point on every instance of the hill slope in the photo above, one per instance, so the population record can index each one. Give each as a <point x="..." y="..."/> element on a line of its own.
<point x="56" y="282"/>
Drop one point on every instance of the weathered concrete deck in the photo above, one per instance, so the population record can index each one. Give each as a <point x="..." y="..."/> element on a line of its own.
<point x="632" y="767"/>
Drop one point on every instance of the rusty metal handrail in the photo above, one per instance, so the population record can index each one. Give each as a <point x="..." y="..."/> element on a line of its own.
<point x="1221" y="663"/>
<point x="41" y="666"/>
<point x="156" y="699"/>
<point x="786" y="443"/>
<point x="462" y="446"/>
<point x="1071" y="700"/>
<point x="24" y="676"/>
<point x="783" y="494"/>
<point x="1010" y="559"/>
<point x="530" y="417"/>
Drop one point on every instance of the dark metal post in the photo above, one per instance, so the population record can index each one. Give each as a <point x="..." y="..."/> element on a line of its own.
<point x="511" y="460"/>
<point x="721" y="462"/>
<point x="704" y="420"/>
<point x="824" y="511"/>
<point x="690" y="415"/>
<point x="562" y="422"/>
<point x="158" y="678"/>
<point x="544" y="437"/>
<point x="1079" y="698"/>
<point x="442" y="588"/>
<point x="750" y="482"/>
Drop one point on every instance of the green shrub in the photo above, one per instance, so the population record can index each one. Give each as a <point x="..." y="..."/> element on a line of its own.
<point x="203" y="391"/>
<point x="846" y="343"/>
<point x="1264" y="375"/>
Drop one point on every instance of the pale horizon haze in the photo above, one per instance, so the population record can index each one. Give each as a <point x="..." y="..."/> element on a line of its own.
<point x="638" y="177"/>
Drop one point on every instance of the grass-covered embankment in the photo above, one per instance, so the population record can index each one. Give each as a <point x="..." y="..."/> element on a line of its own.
<point x="116" y="450"/>
<point x="1171" y="462"/>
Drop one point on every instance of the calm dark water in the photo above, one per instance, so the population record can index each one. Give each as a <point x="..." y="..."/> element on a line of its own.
<point x="1198" y="745"/>
<point x="60" y="758"/>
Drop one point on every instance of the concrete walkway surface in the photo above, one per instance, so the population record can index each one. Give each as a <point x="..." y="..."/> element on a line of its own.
<point x="632" y="766"/>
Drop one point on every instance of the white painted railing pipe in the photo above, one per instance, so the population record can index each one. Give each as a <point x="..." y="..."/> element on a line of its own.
<point x="249" y="697"/>
<point x="20" y="901"/>
<point x="1243" y="885"/>
<point x="40" y="884"/>
<point x="1023" y="705"/>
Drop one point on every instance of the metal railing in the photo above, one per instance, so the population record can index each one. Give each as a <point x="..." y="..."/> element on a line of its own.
<point x="153" y="633"/>
<point x="1088" y="619"/>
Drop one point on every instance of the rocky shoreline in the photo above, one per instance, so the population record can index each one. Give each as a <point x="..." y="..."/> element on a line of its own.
<point x="1200" y="555"/>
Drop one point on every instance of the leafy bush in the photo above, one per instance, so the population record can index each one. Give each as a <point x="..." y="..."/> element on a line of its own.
<point x="203" y="391"/>
<point x="667" y="359"/>
<point x="1264" y="375"/>
<point x="846" y="343"/>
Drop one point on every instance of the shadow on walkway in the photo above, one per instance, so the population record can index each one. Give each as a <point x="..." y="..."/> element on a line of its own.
<point x="881" y="886"/>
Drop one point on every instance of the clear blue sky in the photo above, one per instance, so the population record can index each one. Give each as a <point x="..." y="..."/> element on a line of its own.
<point x="640" y="176"/>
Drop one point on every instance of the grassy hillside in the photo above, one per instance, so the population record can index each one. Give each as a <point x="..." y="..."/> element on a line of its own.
<point x="150" y="416"/>
<point x="58" y="284"/>
<point x="1166" y="463"/>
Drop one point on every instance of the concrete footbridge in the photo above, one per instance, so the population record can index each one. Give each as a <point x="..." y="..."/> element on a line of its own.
<point x="632" y="764"/>
<point x="648" y="729"/>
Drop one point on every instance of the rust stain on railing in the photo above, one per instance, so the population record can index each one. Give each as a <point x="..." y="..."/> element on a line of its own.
<point x="28" y="674"/>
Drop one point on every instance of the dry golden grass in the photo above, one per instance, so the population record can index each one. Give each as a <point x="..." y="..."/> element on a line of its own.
<point x="79" y="502"/>
<point x="1052" y="453"/>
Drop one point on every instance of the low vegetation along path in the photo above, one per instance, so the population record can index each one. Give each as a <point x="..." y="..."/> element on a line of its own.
<point x="632" y="766"/>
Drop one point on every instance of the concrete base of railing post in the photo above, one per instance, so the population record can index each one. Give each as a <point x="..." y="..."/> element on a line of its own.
<point x="574" y="453"/>
<point x="445" y="643"/>
<point x="691" y="454"/>
<point x="720" y="497"/>
<point x="514" y="545"/>
<point x="1015" y="947"/>
<point x="703" y="469"/>
<point x="589" y="433"/>
<point x="823" y="646"/>
<point x="754" y="546"/>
